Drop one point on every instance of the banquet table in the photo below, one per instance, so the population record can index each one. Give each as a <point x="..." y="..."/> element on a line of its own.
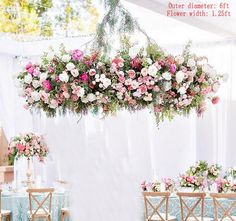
<point x="18" y="204"/>
<point x="174" y="206"/>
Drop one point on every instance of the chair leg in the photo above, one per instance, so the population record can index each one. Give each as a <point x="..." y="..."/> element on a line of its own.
<point x="62" y="216"/>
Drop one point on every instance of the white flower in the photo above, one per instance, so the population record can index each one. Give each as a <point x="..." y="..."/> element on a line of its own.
<point x="179" y="76"/>
<point x="149" y="60"/>
<point x="215" y="87"/>
<point x="106" y="82"/>
<point x="35" y="96"/>
<point x="80" y="92"/>
<point x="135" y="84"/>
<point x="66" y="95"/>
<point x="50" y="55"/>
<point x="119" y="95"/>
<point x="137" y="93"/>
<point x="191" y="62"/>
<point x="91" y="97"/>
<point x="152" y="70"/>
<point x="206" y="68"/>
<point x="167" y="85"/>
<point x="84" y="99"/>
<point x="148" y="97"/>
<point x="166" y="75"/>
<point x="64" y="77"/>
<point x="182" y="90"/>
<point x="102" y="77"/>
<point x="133" y="51"/>
<point x="66" y="58"/>
<point x="36" y="83"/>
<point x="74" y="72"/>
<point x="53" y="104"/>
<point x="144" y="71"/>
<point x="70" y="66"/>
<point x="28" y="79"/>
<point x="43" y="76"/>
<point x="179" y="59"/>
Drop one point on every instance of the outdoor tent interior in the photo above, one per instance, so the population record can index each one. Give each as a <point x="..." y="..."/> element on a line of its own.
<point x="115" y="154"/>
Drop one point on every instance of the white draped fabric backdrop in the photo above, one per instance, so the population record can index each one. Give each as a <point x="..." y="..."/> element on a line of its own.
<point x="106" y="159"/>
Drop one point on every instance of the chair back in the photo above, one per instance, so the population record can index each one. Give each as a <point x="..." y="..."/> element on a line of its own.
<point x="0" y="201"/>
<point x="40" y="198"/>
<point x="152" y="207"/>
<point x="190" y="210"/>
<point x="220" y="210"/>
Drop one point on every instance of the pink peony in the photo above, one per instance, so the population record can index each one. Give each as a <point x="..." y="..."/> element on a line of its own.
<point x="131" y="74"/>
<point x="173" y="68"/>
<point x="47" y="85"/>
<point x="30" y="70"/>
<point x="215" y="100"/>
<point x="77" y="55"/>
<point x="84" y="77"/>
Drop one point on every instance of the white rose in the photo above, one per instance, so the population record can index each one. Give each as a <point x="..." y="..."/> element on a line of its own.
<point x="167" y="76"/>
<point x="144" y="71"/>
<point x="28" y="79"/>
<point x="64" y="77"/>
<point x="179" y="59"/>
<point x="182" y="90"/>
<point x="35" y="84"/>
<point x="137" y="94"/>
<point x="149" y="60"/>
<point x="133" y="51"/>
<point x="35" y="96"/>
<point x="215" y="87"/>
<point x="167" y="85"/>
<point x="66" y="58"/>
<point x="43" y="76"/>
<point x="81" y="92"/>
<point x="106" y="82"/>
<point x="74" y="72"/>
<point x="119" y="95"/>
<point x="148" y="97"/>
<point x="91" y="97"/>
<point x="152" y="70"/>
<point x="191" y="62"/>
<point x="179" y="76"/>
<point x="84" y="99"/>
<point x="70" y="66"/>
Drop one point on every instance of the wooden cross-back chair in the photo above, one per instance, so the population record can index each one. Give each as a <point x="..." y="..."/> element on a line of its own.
<point x="152" y="209"/>
<point x="4" y="213"/>
<point x="64" y="213"/>
<point x="188" y="212"/>
<point x="40" y="198"/>
<point x="226" y="213"/>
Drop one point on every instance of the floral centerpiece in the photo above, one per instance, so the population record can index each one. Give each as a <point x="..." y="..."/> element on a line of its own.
<point x="213" y="172"/>
<point x="199" y="168"/>
<point x="27" y="145"/>
<point x="193" y="182"/>
<point x="169" y="184"/>
<point x="133" y="79"/>
<point x="223" y="185"/>
<point x="231" y="172"/>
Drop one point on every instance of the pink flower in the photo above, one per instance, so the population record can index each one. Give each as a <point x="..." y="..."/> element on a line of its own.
<point x="77" y="55"/>
<point x="92" y="72"/>
<point x="201" y="109"/>
<point x="122" y="79"/>
<point x="172" y="68"/>
<point x="47" y="85"/>
<point x="135" y="63"/>
<point x="158" y="109"/>
<point x="74" y="97"/>
<point x="26" y="106"/>
<point x="201" y="78"/>
<point x="215" y="100"/>
<point x="57" y="78"/>
<point x="143" y="88"/>
<point x="20" y="147"/>
<point x="36" y="73"/>
<point x="30" y="70"/>
<point x="51" y="69"/>
<point x="131" y="74"/>
<point x="84" y="77"/>
<point x="206" y="90"/>
<point x="29" y="65"/>
<point x="118" y="62"/>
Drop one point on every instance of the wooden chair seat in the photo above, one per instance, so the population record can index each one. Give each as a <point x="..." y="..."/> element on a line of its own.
<point x="157" y="218"/>
<point x="5" y="212"/>
<point x="40" y="213"/>
<point x="228" y="219"/>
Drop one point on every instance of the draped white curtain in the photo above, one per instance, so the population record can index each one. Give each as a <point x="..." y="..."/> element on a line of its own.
<point x="106" y="159"/>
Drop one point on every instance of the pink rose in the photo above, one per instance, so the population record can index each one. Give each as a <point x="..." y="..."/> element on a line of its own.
<point x="118" y="62"/>
<point x="136" y="63"/>
<point x="92" y="72"/>
<point x="158" y="109"/>
<point x="77" y="55"/>
<point x="20" y="147"/>
<point x="74" y="97"/>
<point x="29" y="65"/>
<point x="172" y="68"/>
<point x="215" y="100"/>
<point x="201" y="78"/>
<point x="30" y="70"/>
<point x="36" y="73"/>
<point x="122" y="79"/>
<point x="51" y="69"/>
<point x="47" y="85"/>
<point x="84" y="77"/>
<point x="143" y="88"/>
<point x="131" y="74"/>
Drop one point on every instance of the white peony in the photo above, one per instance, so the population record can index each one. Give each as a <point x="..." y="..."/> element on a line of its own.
<point x="36" y="83"/>
<point x="66" y="58"/>
<point x="179" y="59"/>
<point x="179" y="76"/>
<point x="64" y="77"/>
<point x="70" y="66"/>
<point x="167" y="76"/>
<point x="191" y="62"/>
<point x="133" y="51"/>
<point x="106" y="82"/>
<point x="167" y="85"/>
<point x="182" y="90"/>
<point x="43" y="76"/>
<point x="152" y="70"/>
<point x="74" y="72"/>
<point x="91" y="97"/>
<point x="35" y="96"/>
<point x="28" y="79"/>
